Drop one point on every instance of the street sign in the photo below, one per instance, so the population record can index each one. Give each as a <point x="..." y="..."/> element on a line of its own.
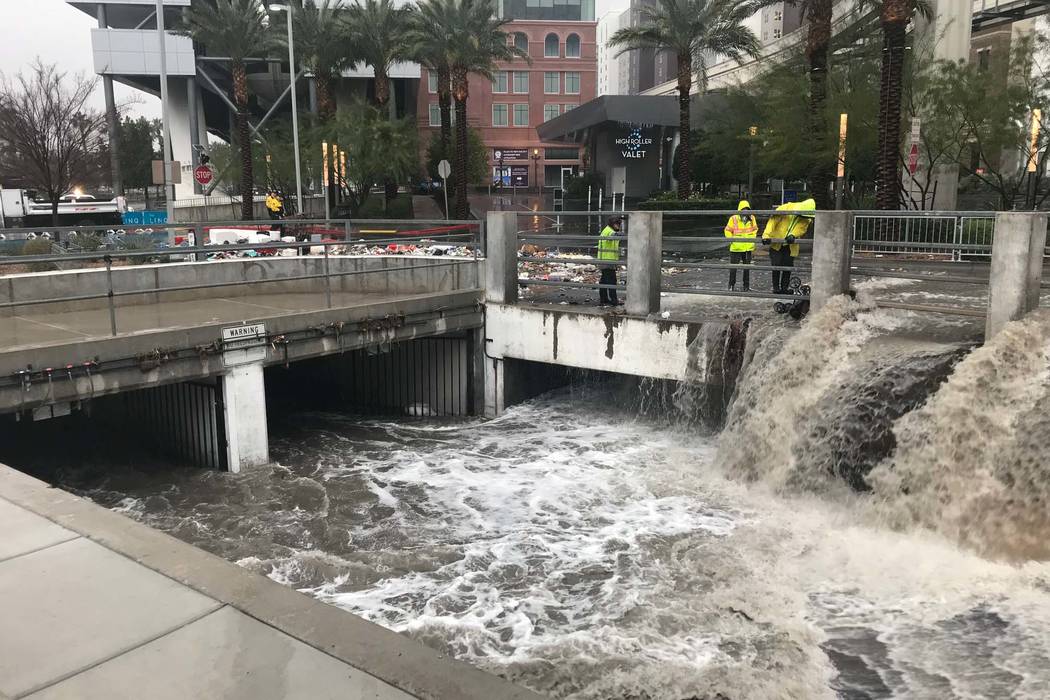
<point x="158" y="172"/>
<point x="444" y="170"/>
<point x="241" y="336"/>
<point x="203" y="175"/>
<point x="913" y="159"/>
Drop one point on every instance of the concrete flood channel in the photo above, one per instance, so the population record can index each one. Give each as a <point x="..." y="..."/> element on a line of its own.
<point x="860" y="513"/>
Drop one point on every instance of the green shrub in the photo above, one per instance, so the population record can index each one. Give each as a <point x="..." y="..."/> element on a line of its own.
<point x="978" y="231"/>
<point x="399" y="207"/>
<point x="86" y="242"/>
<point x="38" y="246"/>
<point x="576" y="188"/>
<point x="691" y="204"/>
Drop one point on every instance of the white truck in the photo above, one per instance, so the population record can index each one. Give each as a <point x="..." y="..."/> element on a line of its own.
<point x="19" y="209"/>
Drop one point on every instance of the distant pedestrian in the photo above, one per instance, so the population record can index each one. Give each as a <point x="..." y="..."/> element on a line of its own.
<point x="609" y="251"/>
<point x="742" y="225"/>
<point x="780" y="235"/>
<point x="274" y="206"/>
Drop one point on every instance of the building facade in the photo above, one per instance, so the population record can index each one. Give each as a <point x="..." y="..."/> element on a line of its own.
<point x="507" y="109"/>
<point x="778" y="21"/>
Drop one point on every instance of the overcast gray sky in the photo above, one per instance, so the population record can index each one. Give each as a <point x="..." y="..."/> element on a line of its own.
<point x="59" y="33"/>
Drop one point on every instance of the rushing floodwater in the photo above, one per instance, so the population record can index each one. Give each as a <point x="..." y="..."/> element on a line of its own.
<point x="589" y="553"/>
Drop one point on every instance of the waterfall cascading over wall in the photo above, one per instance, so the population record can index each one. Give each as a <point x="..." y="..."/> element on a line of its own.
<point x="943" y="436"/>
<point x="972" y="463"/>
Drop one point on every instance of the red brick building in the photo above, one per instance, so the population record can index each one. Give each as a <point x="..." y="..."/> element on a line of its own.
<point x="507" y="110"/>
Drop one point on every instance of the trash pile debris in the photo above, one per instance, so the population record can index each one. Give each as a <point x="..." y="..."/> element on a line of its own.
<point x="553" y="269"/>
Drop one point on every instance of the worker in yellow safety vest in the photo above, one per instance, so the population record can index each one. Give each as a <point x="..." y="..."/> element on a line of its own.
<point x="609" y="251"/>
<point x="741" y="225"/>
<point x="780" y="235"/>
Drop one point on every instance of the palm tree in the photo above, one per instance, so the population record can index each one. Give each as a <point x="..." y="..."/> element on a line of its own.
<point x="894" y="16"/>
<point x="817" y="14"/>
<point x="695" y="31"/>
<point x="377" y="31"/>
<point x="323" y="47"/>
<point x="432" y="47"/>
<point x="479" y="43"/>
<point x="236" y="29"/>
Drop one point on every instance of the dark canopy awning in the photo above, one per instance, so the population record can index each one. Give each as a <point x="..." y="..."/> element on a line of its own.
<point x="658" y="110"/>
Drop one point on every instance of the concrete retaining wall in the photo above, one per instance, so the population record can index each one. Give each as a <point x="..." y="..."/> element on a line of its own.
<point x="598" y="341"/>
<point x="385" y="275"/>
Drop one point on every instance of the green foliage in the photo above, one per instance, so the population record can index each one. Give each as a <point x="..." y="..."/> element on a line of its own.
<point x="399" y="207"/>
<point x="38" y="246"/>
<point x="233" y="28"/>
<point x="139" y="147"/>
<point x="689" y="204"/>
<point x="86" y="241"/>
<point x="693" y="29"/>
<point x="477" y="157"/>
<point x="576" y="188"/>
<point x="378" y="149"/>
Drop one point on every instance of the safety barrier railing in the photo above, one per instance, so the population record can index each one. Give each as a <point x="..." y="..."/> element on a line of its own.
<point x="559" y="250"/>
<point x="433" y="251"/>
<point x="954" y="236"/>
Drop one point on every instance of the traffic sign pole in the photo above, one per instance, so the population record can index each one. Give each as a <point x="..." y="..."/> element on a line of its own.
<point x="444" y="169"/>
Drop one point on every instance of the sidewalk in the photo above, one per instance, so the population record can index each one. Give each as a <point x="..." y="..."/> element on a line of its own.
<point x="95" y="605"/>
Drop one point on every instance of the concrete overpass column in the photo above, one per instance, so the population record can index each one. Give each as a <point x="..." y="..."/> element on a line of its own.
<point x="832" y="252"/>
<point x="645" y="236"/>
<point x="244" y="407"/>
<point x="1017" y="268"/>
<point x="501" y="266"/>
<point x="244" y="415"/>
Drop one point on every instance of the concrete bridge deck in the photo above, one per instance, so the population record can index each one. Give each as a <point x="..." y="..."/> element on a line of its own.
<point x="96" y="605"/>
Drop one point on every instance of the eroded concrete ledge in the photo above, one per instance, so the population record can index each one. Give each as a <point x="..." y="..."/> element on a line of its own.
<point x="391" y="658"/>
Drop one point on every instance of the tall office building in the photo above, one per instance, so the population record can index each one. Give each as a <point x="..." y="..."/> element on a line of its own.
<point x="779" y="20"/>
<point x="559" y="37"/>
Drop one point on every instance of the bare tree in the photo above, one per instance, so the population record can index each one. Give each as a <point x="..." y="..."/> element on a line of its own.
<point x="51" y="132"/>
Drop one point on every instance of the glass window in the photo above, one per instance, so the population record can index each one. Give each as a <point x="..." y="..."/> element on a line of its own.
<point x="550" y="46"/>
<point x="572" y="83"/>
<point x="551" y="82"/>
<point x="435" y="114"/>
<point x="566" y="108"/>
<point x="521" y="115"/>
<point x="572" y="46"/>
<point x="521" y="82"/>
<point x="561" y="153"/>
<point x="521" y="41"/>
<point x="432" y="82"/>
<point x="550" y="112"/>
<point x="499" y="81"/>
<point x="499" y="115"/>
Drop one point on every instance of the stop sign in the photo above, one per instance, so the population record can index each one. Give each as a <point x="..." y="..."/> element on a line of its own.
<point x="203" y="174"/>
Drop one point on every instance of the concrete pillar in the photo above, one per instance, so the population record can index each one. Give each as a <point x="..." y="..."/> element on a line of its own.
<point x="495" y="401"/>
<point x="244" y="416"/>
<point x="195" y="128"/>
<point x="501" y="264"/>
<point x="832" y="252"/>
<point x="1017" y="268"/>
<point x="644" y="256"/>
<point x="112" y="118"/>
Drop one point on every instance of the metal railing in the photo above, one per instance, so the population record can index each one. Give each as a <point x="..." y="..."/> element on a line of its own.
<point x="954" y="236"/>
<point x="565" y="246"/>
<point x="457" y="244"/>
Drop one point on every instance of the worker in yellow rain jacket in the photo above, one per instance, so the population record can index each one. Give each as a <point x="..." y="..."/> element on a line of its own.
<point x="274" y="205"/>
<point x="741" y="225"/>
<point x="780" y="235"/>
<point x="609" y="251"/>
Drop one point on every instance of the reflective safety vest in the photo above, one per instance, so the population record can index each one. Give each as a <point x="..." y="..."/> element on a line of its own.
<point x="608" y="244"/>
<point x="741" y="227"/>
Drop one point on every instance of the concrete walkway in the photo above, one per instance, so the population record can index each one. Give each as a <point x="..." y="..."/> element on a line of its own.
<point x="94" y="605"/>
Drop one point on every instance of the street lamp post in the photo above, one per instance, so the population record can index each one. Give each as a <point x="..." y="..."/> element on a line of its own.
<point x="752" y="132"/>
<point x="278" y="7"/>
<point x="535" y="168"/>
<point x="169" y="188"/>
